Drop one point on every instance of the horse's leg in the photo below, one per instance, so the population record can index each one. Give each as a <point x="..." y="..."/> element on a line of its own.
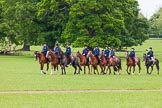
<point x="88" y="69"/>
<point x="47" y="67"/>
<point x="109" y="70"/>
<point x="157" y="67"/>
<point x="114" y="69"/>
<point x="80" y="68"/>
<point x="139" y="66"/>
<point x="147" y="68"/>
<point x="75" y="67"/>
<point x="127" y="70"/>
<point x="52" y="68"/>
<point x="41" y="70"/>
<point x="84" y="69"/>
<point x="97" y="69"/>
<point x="151" y="70"/>
<point x="94" y="68"/>
<point x="62" y="68"/>
<point x="91" y="69"/>
<point x="133" y="70"/>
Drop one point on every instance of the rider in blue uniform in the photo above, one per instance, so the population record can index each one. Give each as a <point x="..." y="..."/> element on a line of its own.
<point x="106" y="52"/>
<point x="57" y="49"/>
<point x="132" y="55"/>
<point x="96" y="52"/>
<point x="150" y="53"/>
<point x="68" y="53"/>
<point x="45" y="49"/>
<point x="85" y="50"/>
<point x="112" y="52"/>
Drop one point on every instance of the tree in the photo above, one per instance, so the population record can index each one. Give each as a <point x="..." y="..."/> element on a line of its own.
<point x="53" y="15"/>
<point x="156" y="23"/>
<point x="103" y="22"/>
<point x="18" y="22"/>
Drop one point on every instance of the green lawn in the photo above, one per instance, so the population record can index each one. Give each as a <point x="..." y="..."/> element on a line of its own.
<point x="83" y="100"/>
<point x="22" y="73"/>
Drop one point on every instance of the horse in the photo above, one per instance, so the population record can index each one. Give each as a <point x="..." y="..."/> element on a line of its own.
<point x="64" y="61"/>
<point x="103" y="62"/>
<point x="83" y="61"/>
<point x="130" y="63"/>
<point x="42" y="60"/>
<point x="53" y="59"/>
<point x="93" y="62"/>
<point x="150" y="63"/>
<point x="114" y="62"/>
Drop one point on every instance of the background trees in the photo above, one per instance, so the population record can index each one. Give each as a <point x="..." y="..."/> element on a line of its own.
<point x="156" y="24"/>
<point x="103" y="22"/>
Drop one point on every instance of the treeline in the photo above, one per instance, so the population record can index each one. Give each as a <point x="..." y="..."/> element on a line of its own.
<point x="116" y="23"/>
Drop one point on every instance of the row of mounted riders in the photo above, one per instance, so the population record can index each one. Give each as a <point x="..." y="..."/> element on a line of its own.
<point x="105" y="59"/>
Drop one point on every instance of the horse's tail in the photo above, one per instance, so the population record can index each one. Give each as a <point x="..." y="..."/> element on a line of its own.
<point x="157" y="65"/>
<point x="119" y="64"/>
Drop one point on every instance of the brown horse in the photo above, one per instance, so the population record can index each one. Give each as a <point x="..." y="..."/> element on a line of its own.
<point x="149" y="63"/>
<point x="114" y="62"/>
<point x="53" y="59"/>
<point x="103" y="62"/>
<point x="130" y="63"/>
<point x="83" y="61"/>
<point x="42" y="61"/>
<point x="93" y="62"/>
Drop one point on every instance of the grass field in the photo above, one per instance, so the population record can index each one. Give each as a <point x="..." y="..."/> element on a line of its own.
<point x="21" y="73"/>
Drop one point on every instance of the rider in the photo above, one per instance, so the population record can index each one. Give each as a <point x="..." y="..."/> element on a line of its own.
<point x="150" y="54"/>
<point x="68" y="53"/>
<point x="96" y="52"/>
<point x="132" y="55"/>
<point x="106" y="52"/>
<point x="85" y="50"/>
<point x="57" y="49"/>
<point x="45" y="49"/>
<point x="112" y="52"/>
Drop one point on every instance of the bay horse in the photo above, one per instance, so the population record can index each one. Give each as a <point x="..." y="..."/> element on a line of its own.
<point x="103" y="62"/>
<point x="83" y="61"/>
<point x="42" y="60"/>
<point x="149" y="63"/>
<point x="114" y="62"/>
<point x="64" y="61"/>
<point x="93" y="62"/>
<point x="53" y="60"/>
<point x="130" y="64"/>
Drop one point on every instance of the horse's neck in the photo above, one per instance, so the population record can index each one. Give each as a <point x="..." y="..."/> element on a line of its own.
<point x="41" y="57"/>
<point x="81" y="57"/>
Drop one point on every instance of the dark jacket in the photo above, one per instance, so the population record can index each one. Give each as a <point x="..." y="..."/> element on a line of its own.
<point x="85" y="51"/>
<point x="132" y="54"/>
<point x="57" y="50"/>
<point x="68" y="51"/>
<point x="112" y="53"/>
<point x="106" y="52"/>
<point x="45" y="49"/>
<point x="96" y="51"/>
<point x="150" y="54"/>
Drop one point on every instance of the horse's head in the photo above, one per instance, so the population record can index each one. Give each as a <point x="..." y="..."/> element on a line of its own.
<point x="89" y="54"/>
<point x="126" y="54"/>
<point x="144" y="57"/>
<point x="49" y="54"/>
<point x="78" y="54"/>
<point x="36" y="55"/>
